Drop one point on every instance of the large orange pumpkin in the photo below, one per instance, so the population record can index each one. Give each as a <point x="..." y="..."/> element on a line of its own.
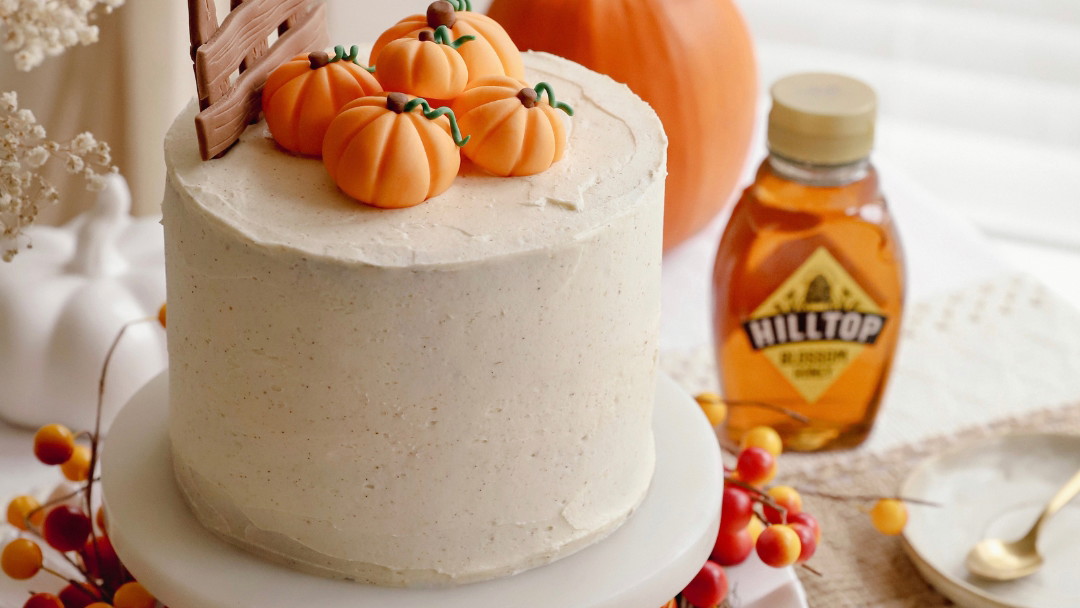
<point x="492" y="53"/>
<point x="303" y="95"/>
<point x="692" y="60"/>
<point x="426" y="66"/>
<point x="381" y="152"/>
<point x="513" y="131"/>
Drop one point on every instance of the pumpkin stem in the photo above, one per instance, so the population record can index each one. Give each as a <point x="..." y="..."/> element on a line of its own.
<point x="318" y="59"/>
<point x="442" y="36"/>
<point x="396" y="102"/>
<point x="527" y="97"/>
<point x="441" y="13"/>
<point x="96" y="252"/>
<point x="430" y="114"/>
<point x="544" y="87"/>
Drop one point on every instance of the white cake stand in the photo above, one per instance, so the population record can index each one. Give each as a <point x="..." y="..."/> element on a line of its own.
<point x="642" y="565"/>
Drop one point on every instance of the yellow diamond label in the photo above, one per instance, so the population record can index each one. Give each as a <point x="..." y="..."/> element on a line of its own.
<point x="815" y="324"/>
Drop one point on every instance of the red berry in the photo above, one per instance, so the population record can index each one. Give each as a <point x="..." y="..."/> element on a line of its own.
<point x="709" y="587"/>
<point x="736" y="510"/>
<point x="732" y="548"/>
<point x="778" y="546"/>
<point x="43" y="600"/>
<point x="807" y="520"/>
<point x="66" y="528"/>
<point x="756" y="466"/>
<point x="102" y="561"/>
<point x="807" y="541"/>
<point x="78" y="597"/>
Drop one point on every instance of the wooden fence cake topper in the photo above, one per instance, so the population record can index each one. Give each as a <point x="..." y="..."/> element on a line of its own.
<point x="241" y="44"/>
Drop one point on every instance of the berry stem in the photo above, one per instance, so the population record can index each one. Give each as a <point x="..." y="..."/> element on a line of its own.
<point x="812" y="570"/>
<point x="430" y="114"/>
<point x="867" y="498"/>
<point x="51" y="503"/>
<point x="96" y="437"/>
<point x="770" y="406"/>
<point x="757" y="495"/>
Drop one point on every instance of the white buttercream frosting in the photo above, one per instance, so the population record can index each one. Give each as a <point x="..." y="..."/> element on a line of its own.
<point x="440" y="394"/>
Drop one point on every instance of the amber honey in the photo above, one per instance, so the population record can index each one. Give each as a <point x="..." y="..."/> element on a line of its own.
<point x="808" y="298"/>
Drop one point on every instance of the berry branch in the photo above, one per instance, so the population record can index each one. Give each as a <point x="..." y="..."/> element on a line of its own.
<point x="67" y="529"/>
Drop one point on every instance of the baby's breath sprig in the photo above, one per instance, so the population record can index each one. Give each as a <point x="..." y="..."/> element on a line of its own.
<point x="24" y="150"/>
<point x="35" y="29"/>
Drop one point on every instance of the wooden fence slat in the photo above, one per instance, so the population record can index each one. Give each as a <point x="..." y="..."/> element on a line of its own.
<point x="219" y="57"/>
<point x="202" y="23"/>
<point x="221" y="124"/>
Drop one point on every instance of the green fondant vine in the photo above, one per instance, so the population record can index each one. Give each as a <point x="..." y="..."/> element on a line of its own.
<point x="430" y="114"/>
<point x="444" y="36"/>
<point x="354" y="52"/>
<point x="543" y="87"/>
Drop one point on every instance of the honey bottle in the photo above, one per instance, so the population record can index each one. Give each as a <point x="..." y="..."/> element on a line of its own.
<point x="809" y="275"/>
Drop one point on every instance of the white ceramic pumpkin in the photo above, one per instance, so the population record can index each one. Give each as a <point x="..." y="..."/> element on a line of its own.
<point x="63" y="302"/>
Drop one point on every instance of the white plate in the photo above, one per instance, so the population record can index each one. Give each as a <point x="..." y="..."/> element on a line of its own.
<point x="996" y="488"/>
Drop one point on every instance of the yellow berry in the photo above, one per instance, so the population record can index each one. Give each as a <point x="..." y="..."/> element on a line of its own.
<point x="889" y="516"/>
<point x="77" y="468"/>
<point x="755" y="528"/>
<point x="161" y="315"/>
<point x="764" y="437"/>
<point x="779" y="546"/>
<point x="53" y="444"/>
<point x="787" y="497"/>
<point x="21" y="559"/>
<point x="133" y="595"/>
<point x="21" y="507"/>
<point x="100" y="519"/>
<point x="714" y="407"/>
<point x="99" y="605"/>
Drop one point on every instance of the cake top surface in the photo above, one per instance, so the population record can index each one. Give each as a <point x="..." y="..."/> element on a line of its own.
<point x="616" y="149"/>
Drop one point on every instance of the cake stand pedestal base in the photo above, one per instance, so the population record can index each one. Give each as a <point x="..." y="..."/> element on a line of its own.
<point x="641" y="565"/>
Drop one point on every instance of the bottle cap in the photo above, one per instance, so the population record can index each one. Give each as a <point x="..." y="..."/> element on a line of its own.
<point x="822" y="119"/>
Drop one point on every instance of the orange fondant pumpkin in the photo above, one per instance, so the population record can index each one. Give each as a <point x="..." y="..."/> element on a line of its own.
<point x="512" y="130"/>
<point x="492" y="53"/>
<point x="692" y="60"/>
<point x="302" y="96"/>
<point x="426" y="66"/>
<point x="383" y="153"/>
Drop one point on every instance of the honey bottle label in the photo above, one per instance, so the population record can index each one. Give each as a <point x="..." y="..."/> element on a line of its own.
<point x="815" y="324"/>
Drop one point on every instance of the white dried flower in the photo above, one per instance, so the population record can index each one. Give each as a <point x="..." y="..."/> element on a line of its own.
<point x="35" y="29"/>
<point x="24" y="150"/>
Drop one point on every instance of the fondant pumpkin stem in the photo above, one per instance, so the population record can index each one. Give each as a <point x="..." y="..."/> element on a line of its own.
<point x="318" y="59"/>
<point x="527" y="97"/>
<point x="544" y="87"/>
<point x="396" y="102"/>
<point x="433" y="114"/>
<point x="443" y="36"/>
<point x="441" y="13"/>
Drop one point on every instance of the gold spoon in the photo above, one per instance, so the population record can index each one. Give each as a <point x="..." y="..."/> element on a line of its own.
<point x="1001" y="560"/>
